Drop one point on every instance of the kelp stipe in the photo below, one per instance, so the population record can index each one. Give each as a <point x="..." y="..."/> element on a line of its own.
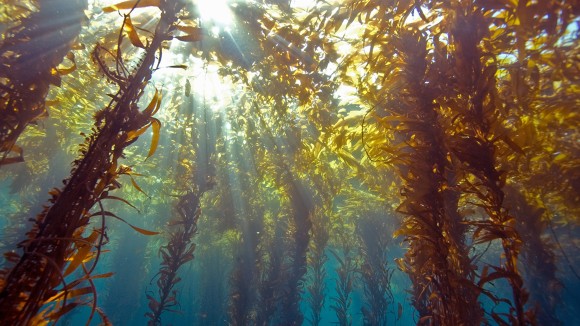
<point x="29" y="58"/>
<point x="317" y="259"/>
<point x="302" y="208"/>
<point x="271" y="283"/>
<point x="537" y="256"/>
<point x="58" y="231"/>
<point x="177" y="252"/>
<point x="344" y="284"/>
<point x="243" y="305"/>
<point x="375" y="271"/>
<point x="245" y="274"/>
<point x="473" y="145"/>
<point x="437" y="260"/>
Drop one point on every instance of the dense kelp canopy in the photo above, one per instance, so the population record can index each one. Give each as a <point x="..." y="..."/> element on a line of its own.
<point x="255" y="162"/>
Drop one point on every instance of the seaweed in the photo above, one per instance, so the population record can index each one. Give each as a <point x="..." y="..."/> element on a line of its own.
<point x="30" y="55"/>
<point x="437" y="261"/>
<point x="537" y="255"/>
<point x="177" y="252"/>
<point x="375" y="271"/>
<point x="344" y="284"/>
<point x="302" y="209"/>
<point x="271" y="283"/>
<point x="317" y="259"/>
<point x="453" y="122"/>
<point x="56" y="236"/>
<point x="475" y="149"/>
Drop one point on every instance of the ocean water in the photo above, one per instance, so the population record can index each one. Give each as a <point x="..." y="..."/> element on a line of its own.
<point x="289" y="163"/>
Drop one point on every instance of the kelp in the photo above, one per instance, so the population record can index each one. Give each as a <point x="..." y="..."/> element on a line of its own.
<point x="302" y="208"/>
<point x="244" y="304"/>
<point x="56" y="235"/>
<point x="317" y="259"/>
<point x="474" y="147"/>
<point x="344" y="284"/>
<point x="375" y="271"/>
<point x="436" y="107"/>
<point x="30" y="57"/>
<point x="537" y="255"/>
<point x="243" y="297"/>
<point x="271" y="284"/>
<point x="437" y="260"/>
<point x="177" y="252"/>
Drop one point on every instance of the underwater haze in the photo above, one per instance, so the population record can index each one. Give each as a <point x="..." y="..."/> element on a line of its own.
<point x="289" y="162"/>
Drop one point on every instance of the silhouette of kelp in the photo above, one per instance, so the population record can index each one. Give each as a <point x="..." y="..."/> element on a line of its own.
<point x="316" y="260"/>
<point x="475" y="148"/>
<point x="302" y="208"/>
<point x="437" y="260"/>
<point x="245" y="275"/>
<point x="29" y="56"/>
<point x="57" y="236"/>
<point x="177" y="252"/>
<point x="344" y="284"/>
<point x="375" y="271"/>
<point x="537" y="255"/>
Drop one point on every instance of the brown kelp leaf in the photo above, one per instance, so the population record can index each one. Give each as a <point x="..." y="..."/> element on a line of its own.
<point x="63" y="311"/>
<point x="132" y="33"/>
<point x="104" y="275"/>
<point x="153" y="106"/>
<point x="136" y="133"/>
<point x="184" y="67"/>
<point x="132" y="4"/>
<point x="188" y="29"/>
<point x="121" y="199"/>
<point x="83" y="250"/>
<point x="70" y="294"/>
<point x="155" y="127"/>
<point x="515" y="147"/>
<point x="104" y="318"/>
<point x="500" y="273"/>
<point x="136" y="186"/>
<point x="195" y="35"/>
<point x="68" y="70"/>
<point x="138" y="229"/>
<point x="11" y="160"/>
<point x="12" y="257"/>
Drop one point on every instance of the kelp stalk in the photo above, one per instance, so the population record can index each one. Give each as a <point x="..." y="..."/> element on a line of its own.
<point x="316" y="260"/>
<point x="538" y="256"/>
<point x="375" y="272"/>
<point x="344" y="285"/>
<point x="475" y="147"/>
<point x="178" y="251"/>
<point x="437" y="260"/>
<point x="26" y="286"/>
<point x="29" y="57"/>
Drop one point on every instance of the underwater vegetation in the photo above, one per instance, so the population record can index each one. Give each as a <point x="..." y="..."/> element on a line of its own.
<point x="350" y="162"/>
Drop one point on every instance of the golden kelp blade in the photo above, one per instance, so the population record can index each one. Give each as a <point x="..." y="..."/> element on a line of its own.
<point x="138" y="229"/>
<point x="194" y="34"/>
<point x="155" y="127"/>
<point x="132" y="33"/>
<point x="132" y="4"/>
<point x="154" y="105"/>
<point x="83" y="249"/>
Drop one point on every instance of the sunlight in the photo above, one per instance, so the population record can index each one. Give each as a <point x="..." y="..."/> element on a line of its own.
<point x="215" y="11"/>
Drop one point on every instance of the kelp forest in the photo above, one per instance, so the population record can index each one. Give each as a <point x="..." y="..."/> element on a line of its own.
<point x="289" y="162"/>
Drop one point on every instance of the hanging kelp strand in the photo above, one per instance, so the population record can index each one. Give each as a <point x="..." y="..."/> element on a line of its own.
<point x="29" y="58"/>
<point x="53" y="240"/>
<point x="177" y="252"/>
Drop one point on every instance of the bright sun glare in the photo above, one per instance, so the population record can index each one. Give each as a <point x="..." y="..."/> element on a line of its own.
<point x="215" y="11"/>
